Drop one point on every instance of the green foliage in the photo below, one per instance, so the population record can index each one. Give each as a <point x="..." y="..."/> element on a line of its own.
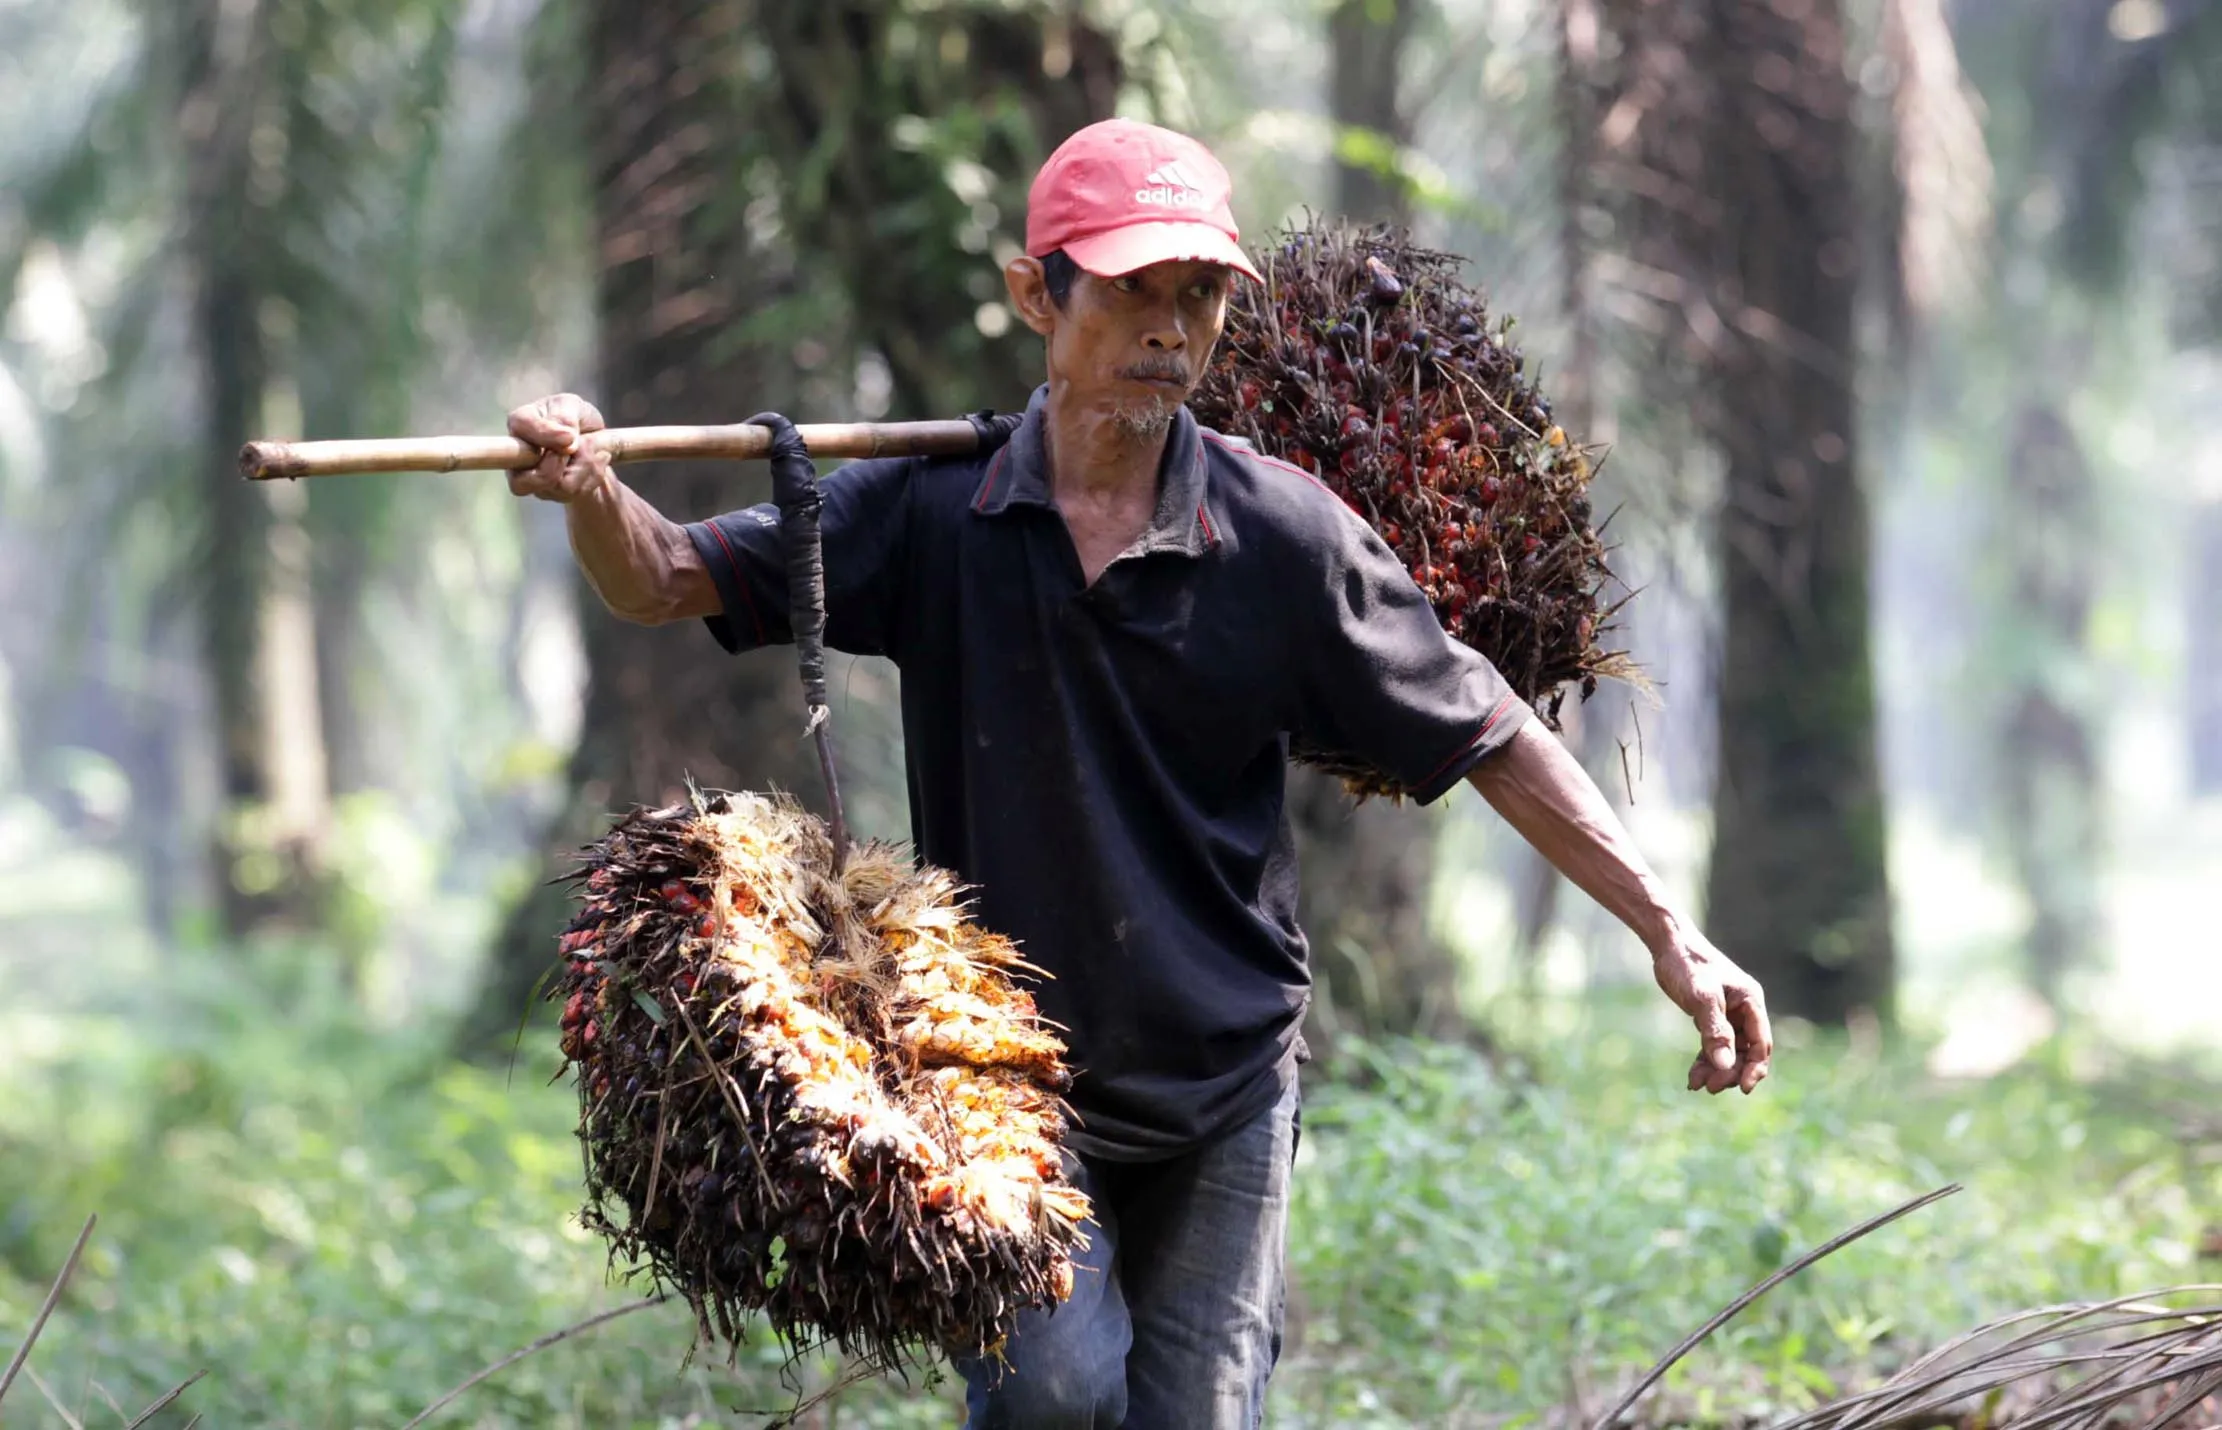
<point x="1467" y="1246"/>
<point x="333" y="1221"/>
<point x="340" y="1226"/>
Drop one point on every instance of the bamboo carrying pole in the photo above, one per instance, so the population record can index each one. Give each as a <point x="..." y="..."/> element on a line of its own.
<point x="268" y="461"/>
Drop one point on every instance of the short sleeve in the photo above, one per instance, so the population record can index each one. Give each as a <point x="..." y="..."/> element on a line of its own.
<point x="1380" y="680"/>
<point x="864" y="525"/>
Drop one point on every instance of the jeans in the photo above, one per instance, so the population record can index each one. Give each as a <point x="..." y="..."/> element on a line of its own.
<point x="1175" y="1317"/>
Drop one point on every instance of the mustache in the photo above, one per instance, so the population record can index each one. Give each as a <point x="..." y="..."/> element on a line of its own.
<point x="1164" y="370"/>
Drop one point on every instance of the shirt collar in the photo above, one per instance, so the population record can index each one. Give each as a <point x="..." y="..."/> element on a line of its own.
<point x="1017" y="475"/>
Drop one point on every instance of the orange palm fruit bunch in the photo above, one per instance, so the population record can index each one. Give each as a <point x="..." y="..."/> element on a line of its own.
<point x="813" y="1093"/>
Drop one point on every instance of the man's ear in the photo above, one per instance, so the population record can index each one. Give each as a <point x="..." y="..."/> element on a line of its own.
<point x="1029" y="290"/>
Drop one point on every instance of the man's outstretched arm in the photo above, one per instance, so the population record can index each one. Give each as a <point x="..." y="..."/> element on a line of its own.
<point x="1543" y="792"/>
<point x="640" y="563"/>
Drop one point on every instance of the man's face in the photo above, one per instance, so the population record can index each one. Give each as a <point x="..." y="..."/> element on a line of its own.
<point x="1134" y="346"/>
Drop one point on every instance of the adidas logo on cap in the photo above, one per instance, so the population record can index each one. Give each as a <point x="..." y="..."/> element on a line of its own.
<point x="1171" y="187"/>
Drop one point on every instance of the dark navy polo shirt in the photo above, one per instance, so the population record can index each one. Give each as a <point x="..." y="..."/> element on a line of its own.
<point x="1104" y="764"/>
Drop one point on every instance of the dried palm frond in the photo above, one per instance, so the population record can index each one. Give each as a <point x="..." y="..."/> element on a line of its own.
<point x="2135" y="1363"/>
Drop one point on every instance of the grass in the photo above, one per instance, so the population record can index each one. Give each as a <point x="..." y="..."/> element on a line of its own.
<point x="1474" y="1250"/>
<point x="340" y="1226"/>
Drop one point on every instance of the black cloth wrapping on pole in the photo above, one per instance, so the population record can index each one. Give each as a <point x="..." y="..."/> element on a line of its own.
<point x="795" y="492"/>
<point x="995" y="428"/>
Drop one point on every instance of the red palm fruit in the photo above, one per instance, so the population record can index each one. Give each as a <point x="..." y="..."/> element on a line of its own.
<point x="575" y="1009"/>
<point x="1393" y="534"/>
<point x="1486" y="434"/>
<point x="590" y="1032"/>
<point x="671" y="890"/>
<point x="707" y="926"/>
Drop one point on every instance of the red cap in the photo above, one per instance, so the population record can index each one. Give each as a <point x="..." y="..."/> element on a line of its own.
<point x="1121" y="195"/>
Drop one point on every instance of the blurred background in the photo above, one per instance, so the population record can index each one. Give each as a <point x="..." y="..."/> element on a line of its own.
<point x="1898" y="317"/>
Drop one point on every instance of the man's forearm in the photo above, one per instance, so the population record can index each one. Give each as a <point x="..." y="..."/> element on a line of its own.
<point x="636" y="560"/>
<point x="1543" y="792"/>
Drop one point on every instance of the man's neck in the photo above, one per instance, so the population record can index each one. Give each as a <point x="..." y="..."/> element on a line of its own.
<point x="1094" y="458"/>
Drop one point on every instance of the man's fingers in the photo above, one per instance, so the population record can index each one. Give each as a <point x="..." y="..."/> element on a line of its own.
<point x="570" y="466"/>
<point x="585" y="473"/>
<point x="1713" y="1027"/>
<point x="1755" y="1044"/>
<point x="1716" y="1061"/>
<point x="537" y="427"/>
<point x="544" y="480"/>
<point x="1708" y="1076"/>
<point x="554" y="424"/>
<point x="1754" y="1034"/>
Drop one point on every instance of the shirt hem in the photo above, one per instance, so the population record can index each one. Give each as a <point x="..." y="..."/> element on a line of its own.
<point x="1165" y="1147"/>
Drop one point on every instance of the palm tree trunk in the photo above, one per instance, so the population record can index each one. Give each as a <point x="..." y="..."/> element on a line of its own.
<point x="1366" y="867"/>
<point x="1368" y="41"/>
<point x="1537" y="888"/>
<point x="2052" y="800"/>
<point x="679" y="275"/>
<point x="1797" y="885"/>
<point x="920" y="277"/>
<point x="254" y="594"/>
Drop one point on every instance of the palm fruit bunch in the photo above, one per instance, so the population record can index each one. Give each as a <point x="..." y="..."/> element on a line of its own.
<point x="811" y="1088"/>
<point x="1363" y="360"/>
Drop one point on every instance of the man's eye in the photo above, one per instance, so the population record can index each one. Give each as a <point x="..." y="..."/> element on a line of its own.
<point x="1127" y="284"/>
<point x="1206" y="289"/>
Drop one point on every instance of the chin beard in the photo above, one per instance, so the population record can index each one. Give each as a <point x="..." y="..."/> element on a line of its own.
<point x="1143" y="420"/>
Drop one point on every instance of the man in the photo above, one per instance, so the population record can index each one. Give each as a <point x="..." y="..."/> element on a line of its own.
<point x="1109" y="626"/>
